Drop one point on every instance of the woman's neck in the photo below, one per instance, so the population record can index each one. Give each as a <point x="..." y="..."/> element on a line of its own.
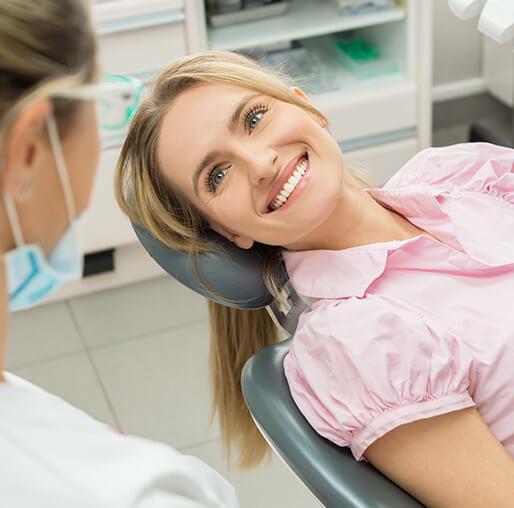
<point x="358" y="220"/>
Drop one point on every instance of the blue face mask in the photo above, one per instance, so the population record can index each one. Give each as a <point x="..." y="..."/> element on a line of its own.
<point x="30" y="275"/>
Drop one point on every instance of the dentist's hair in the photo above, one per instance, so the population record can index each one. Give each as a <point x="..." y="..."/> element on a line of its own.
<point x="44" y="46"/>
<point x="148" y="199"/>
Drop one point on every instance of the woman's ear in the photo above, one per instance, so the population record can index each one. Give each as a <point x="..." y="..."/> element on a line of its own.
<point x="300" y="93"/>
<point x="24" y="148"/>
<point x="242" y="242"/>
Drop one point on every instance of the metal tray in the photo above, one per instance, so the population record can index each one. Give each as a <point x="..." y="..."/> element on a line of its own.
<point x="251" y="14"/>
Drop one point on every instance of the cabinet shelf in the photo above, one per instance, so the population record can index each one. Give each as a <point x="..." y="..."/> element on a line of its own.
<point x="303" y="19"/>
<point x="351" y="87"/>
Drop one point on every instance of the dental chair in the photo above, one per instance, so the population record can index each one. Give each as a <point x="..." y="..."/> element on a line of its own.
<point x="329" y="471"/>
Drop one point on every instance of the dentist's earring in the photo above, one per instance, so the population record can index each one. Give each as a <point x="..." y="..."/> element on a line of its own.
<point x="26" y="192"/>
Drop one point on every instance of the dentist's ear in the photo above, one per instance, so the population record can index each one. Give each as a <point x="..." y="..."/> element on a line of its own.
<point x="24" y="150"/>
<point x="243" y="242"/>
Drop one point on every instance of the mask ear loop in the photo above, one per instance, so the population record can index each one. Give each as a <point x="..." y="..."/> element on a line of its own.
<point x="61" y="165"/>
<point x="10" y="208"/>
<point x="13" y="219"/>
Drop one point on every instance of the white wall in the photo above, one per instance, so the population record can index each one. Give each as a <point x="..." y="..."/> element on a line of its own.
<point x="457" y="46"/>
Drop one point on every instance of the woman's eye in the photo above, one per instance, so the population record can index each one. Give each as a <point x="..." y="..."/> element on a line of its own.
<point x="254" y="116"/>
<point x="216" y="177"/>
<point x="254" y="121"/>
<point x="219" y="175"/>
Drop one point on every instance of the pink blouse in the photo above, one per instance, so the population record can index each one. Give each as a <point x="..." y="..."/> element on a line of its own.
<point x="404" y="330"/>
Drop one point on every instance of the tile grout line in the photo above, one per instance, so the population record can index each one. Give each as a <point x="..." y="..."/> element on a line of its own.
<point x="146" y="334"/>
<point x="184" y="449"/>
<point x="48" y="359"/>
<point x="93" y="366"/>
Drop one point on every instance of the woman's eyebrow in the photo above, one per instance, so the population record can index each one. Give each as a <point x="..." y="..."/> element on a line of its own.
<point x="234" y="119"/>
<point x="232" y="125"/>
<point x="206" y="161"/>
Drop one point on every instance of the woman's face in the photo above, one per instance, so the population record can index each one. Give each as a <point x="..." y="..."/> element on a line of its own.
<point x="234" y="152"/>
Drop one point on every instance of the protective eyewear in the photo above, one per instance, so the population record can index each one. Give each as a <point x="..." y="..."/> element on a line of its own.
<point x="117" y="98"/>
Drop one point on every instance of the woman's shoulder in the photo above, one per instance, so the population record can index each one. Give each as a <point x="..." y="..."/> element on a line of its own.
<point x="462" y="165"/>
<point x="360" y="368"/>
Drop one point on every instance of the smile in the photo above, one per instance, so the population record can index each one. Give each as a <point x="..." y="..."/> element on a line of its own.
<point x="283" y="194"/>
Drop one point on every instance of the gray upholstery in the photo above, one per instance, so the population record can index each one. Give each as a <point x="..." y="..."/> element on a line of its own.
<point x="330" y="472"/>
<point x="234" y="274"/>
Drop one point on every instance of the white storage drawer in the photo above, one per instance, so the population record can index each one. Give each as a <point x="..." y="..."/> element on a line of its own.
<point x="353" y="114"/>
<point x="139" y="37"/>
<point x="111" y="8"/>
<point x="104" y="225"/>
<point x="382" y="161"/>
<point x="142" y="50"/>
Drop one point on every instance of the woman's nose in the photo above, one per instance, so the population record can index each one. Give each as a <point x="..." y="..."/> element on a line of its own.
<point x="262" y="166"/>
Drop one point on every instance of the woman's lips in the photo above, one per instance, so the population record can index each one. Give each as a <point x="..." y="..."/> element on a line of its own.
<point x="304" y="181"/>
<point x="278" y="186"/>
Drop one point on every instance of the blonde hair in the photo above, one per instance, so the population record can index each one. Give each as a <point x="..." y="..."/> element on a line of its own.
<point x="44" y="46"/>
<point x="147" y="199"/>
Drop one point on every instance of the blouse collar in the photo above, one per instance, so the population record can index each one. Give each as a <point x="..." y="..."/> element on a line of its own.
<point x="349" y="272"/>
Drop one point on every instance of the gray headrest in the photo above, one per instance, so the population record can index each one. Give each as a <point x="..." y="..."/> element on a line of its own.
<point x="235" y="275"/>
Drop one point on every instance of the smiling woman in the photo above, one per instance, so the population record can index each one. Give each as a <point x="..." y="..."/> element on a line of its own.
<point x="228" y="145"/>
<point x="401" y="355"/>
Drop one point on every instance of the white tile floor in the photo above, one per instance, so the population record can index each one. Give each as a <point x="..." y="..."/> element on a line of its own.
<point x="136" y="358"/>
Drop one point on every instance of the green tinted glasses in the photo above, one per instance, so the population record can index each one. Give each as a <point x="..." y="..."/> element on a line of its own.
<point x="117" y="98"/>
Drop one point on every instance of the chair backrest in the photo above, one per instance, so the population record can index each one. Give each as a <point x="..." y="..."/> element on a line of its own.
<point x="230" y="275"/>
<point x="331" y="472"/>
<point x="234" y="275"/>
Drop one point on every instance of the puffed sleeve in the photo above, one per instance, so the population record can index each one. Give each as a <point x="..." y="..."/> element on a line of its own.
<point x="480" y="167"/>
<point x="361" y="367"/>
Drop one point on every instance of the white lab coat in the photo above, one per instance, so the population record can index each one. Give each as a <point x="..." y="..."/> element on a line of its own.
<point x="54" y="455"/>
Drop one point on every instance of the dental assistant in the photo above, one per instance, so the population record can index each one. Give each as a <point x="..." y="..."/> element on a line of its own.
<point x="52" y="454"/>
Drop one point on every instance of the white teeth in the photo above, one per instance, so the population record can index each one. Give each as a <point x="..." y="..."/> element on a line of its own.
<point x="290" y="185"/>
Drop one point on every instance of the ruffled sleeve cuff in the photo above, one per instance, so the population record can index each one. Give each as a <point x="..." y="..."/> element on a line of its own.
<point x="402" y="415"/>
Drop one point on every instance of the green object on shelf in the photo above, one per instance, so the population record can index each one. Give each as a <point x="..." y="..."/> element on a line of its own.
<point x="357" y="49"/>
<point x="363" y="60"/>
